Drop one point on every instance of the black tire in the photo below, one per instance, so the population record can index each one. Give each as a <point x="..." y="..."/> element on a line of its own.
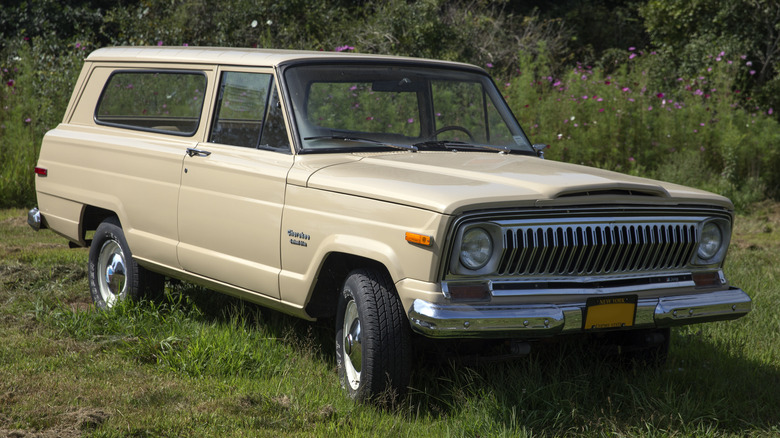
<point x="113" y="273"/>
<point x="373" y="339"/>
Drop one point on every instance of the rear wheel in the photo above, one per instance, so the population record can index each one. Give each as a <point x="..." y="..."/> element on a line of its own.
<point x="113" y="273"/>
<point x="373" y="340"/>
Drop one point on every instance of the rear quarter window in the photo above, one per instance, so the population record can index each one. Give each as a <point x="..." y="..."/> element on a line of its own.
<point x="159" y="101"/>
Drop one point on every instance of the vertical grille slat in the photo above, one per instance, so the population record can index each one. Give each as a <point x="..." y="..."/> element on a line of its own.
<point x="596" y="248"/>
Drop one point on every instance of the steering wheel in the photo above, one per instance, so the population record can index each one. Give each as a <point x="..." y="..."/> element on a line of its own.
<point x="453" y="128"/>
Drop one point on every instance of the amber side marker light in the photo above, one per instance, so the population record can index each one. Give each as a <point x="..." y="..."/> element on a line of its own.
<point x="419" y="239"/>
<point x="40" y="171"/>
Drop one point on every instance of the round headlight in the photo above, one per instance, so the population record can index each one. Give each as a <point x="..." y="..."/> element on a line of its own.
<point x="711" y="241"/>
<point x="476" y="248"/>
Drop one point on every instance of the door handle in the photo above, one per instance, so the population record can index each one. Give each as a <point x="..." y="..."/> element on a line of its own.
<point x="193" y="152"/>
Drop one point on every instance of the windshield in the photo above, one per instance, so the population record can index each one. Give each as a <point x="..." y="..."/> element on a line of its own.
<point x="350" y="107"/>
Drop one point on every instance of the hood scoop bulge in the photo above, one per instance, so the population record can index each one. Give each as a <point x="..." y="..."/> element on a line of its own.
<point x="655" y="192"/>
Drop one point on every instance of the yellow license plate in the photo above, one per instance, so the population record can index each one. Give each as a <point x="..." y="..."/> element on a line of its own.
<point x="610" y="312"/>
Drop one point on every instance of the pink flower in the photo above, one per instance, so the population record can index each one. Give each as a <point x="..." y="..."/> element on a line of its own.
<point x="631" y="159"/>
<point x="722" y="53"/>
<point x="660" y="95"/>
<point x="10" y="83"/>
<point x="410" y="120"/>
<point x="632" y="56"/>
<point x="489" y="65"/>
<point x="584" y="77"/>
<point x="584" y="97"/>
<point x="650" y="108"/>
<point x="631" y="49"/>
<point x="159" y="43"/>
<point x="27" y="120"/>
<point x="752" y="72"/>
<point x="601" y="110"/>
<point x="78" y="45"/>
<point x="626" y="90"/>
<point x="698" y="92"/>
<point x="770" y="111"/>
<point x="344" y="48"/>
<point x="749" y="63"/>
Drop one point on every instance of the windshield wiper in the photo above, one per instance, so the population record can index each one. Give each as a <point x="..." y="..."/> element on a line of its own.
<point x="463" y="145"/>
<point x="404" y="147"/>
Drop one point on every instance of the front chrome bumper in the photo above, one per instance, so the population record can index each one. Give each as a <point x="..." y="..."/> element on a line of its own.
<point x="541" y="320"/>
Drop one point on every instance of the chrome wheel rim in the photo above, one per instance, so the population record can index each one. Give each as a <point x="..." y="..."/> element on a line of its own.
<point x="112" y="273"/>
<point x="353" y="348"/>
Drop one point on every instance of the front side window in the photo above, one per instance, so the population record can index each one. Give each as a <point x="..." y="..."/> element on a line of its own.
<point x="163" y="101"/>
<point x="248" y="113"/>
<point x="351" y="107"/>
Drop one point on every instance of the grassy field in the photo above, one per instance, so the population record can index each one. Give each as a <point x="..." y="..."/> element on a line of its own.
<point x="200" y="364"/>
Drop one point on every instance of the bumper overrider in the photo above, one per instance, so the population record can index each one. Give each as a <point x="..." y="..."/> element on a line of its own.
<point x="485" y="320"/>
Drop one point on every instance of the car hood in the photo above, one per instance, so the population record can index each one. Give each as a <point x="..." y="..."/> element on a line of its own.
<point x="449" y="182"/>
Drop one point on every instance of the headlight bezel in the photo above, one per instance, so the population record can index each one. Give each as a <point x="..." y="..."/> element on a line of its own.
<point x="488" y="230"/>
<point x="709" y="252"/>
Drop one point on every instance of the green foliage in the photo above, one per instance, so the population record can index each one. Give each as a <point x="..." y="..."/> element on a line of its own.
<point x="51" y="20"/>
<point x="36" y="83"/>
<point x="715" y="113"/>
<point x="627" y="122"/>
<point x="686" y="32"/>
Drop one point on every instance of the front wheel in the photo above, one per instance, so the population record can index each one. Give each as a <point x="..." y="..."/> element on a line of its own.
<point x="373" y="340"/>
<point x="113" y="273"/>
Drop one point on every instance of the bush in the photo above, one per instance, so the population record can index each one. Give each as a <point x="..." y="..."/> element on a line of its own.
<point x="36" y="85"/>
<point x="624" y="121"/>
<point x="630" y="114"/>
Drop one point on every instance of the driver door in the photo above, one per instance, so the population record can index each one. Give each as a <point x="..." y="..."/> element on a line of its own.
<point x="233" y="187"/>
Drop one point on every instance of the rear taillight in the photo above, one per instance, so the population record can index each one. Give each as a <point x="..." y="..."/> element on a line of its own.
<point x="40" y="171"/>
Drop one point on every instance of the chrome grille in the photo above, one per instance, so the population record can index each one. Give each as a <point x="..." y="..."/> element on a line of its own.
<point x="596" y="248"/>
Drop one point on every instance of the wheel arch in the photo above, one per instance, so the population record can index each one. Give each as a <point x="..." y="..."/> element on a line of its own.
<point x="334" y="270"/>
<point x="91" y="218"/>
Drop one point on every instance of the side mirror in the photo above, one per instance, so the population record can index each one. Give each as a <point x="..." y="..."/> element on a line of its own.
<point x="539" y="148"/>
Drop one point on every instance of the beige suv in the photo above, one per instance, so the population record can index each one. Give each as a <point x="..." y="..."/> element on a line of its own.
<point x="398" y="195"/>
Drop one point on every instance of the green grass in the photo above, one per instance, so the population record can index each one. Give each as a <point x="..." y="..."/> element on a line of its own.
<point x="200" y="364"/>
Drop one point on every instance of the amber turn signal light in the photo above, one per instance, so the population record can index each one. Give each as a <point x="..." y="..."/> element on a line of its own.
<point x="419" y="239"/>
